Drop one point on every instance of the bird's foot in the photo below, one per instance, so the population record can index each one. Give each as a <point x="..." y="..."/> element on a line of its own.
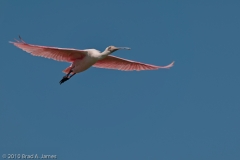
<point x="64" y="79"/>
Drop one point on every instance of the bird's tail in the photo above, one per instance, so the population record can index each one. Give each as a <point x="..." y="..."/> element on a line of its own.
<point x="67" y="70"/>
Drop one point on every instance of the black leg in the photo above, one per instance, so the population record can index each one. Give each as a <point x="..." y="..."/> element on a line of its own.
<point x="65" y="78"/>
<point x="72" y="75"/>
<point x="69" y="73"/>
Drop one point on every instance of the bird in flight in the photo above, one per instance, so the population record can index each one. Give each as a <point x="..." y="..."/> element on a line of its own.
<point x="81" y="60"/>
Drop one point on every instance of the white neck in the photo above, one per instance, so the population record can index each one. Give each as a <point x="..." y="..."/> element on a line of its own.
<point x="104" y="54"/>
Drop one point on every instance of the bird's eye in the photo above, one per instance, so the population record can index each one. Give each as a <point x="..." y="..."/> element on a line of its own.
<point x="109" y="48"/>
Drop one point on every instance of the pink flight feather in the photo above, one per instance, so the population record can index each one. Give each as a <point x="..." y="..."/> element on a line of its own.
<point x="113" y="62"/>
<point x="59" y="54"/>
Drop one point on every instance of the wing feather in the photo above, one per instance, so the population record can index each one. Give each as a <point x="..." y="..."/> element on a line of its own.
<point x="113" y="62"/>
<point x="59" y="54"/>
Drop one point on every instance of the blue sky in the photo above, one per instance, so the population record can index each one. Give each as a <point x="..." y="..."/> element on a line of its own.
<point x="188" y="112"/>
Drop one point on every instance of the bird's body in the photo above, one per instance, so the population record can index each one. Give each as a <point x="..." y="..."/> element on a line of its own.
<point x="81" y="60"/>
<point x="80" y="65"/>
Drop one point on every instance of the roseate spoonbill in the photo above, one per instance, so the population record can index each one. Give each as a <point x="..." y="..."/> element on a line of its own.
<point x="81" y="60"/>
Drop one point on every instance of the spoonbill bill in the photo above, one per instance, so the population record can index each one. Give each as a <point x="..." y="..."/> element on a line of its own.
<point x="81" y="60"/>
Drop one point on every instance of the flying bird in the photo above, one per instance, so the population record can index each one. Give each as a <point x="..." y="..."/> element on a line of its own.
<point x="81" y="60"/>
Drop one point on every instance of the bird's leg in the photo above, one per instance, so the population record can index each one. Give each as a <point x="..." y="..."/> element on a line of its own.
<point x="72" y="75"/>
<point x="65" y="78"/>
<point x="69" y="73"/>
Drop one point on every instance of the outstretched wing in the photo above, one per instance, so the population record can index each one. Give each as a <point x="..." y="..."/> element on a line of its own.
<point x="58" y="54"/>
<point x="113" y="62"/>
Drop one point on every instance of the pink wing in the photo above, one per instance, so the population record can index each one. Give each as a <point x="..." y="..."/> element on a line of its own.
<point x="113" y="62"/>
<point x="59" y="54"/>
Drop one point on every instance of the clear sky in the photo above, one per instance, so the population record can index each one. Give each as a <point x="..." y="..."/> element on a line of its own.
<point x="190" y="112"/>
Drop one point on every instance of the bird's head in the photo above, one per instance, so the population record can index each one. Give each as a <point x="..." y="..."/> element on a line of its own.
<point x="112" y="49"/>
